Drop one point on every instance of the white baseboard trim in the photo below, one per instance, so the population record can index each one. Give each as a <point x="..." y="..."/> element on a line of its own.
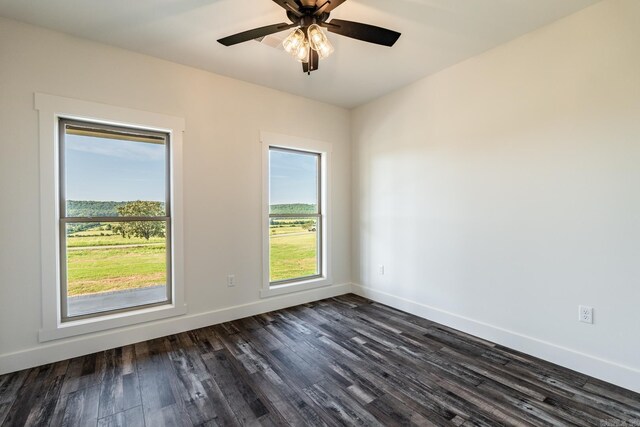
<point x="606" y="370"/>
<point x="87" y="344"/>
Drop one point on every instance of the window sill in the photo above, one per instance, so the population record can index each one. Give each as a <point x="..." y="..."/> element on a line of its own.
<point x="289" y="288"/>
<point x="110" y="321"/>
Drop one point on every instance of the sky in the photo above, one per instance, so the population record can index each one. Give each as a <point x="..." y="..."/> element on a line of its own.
<point x="113" y="170"/>
<point x="294" y="178"/>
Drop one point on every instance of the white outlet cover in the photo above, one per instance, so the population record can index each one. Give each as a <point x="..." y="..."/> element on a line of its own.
<point x="585" y="314"/>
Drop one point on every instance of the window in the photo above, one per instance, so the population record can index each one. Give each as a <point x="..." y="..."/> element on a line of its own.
<point x="111" y="216"/>
<point x="295" y="216"/>
<point x="115" y="219"/>
<point x="296" y="202"/>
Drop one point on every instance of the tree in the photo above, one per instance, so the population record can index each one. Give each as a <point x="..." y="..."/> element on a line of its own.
<point x="143" y="229"/>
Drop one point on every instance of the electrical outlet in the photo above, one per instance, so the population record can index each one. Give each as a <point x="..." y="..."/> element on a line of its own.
<point x="231" y="280"/>
<point x="381" y="270"/>
<point x="585" y="314"/>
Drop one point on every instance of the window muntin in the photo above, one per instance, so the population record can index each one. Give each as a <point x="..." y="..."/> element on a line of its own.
<point x="115" y="224"/>
<point x="295" y="216"/>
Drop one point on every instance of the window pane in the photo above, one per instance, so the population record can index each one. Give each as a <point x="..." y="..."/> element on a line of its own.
<point x="110" y="265"/>
<point x="293" y="182"/>
<point x="293" y="248"/>
<point x="104" y="170"/>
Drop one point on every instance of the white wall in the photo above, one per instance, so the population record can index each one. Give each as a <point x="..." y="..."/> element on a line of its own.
<point x="503" y="192"/>
<point x="222" y="179"/>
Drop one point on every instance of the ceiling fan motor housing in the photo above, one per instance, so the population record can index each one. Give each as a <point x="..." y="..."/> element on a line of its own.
<point x="308" y="18"/>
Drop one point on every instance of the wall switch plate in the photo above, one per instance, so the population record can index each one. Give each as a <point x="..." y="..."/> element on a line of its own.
<point x="585" y="314"/>
<point x="231" y="280"/>
<point x="381" y="270"/>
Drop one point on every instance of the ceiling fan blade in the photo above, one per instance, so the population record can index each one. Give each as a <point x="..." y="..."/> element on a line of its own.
<point x="308" y="3"/>
<point x="322" y="7"/>
<point x="254" y="34"/>
<point x="364" y="32"/>
<point x="332" y="4"/>
<point x="289" y="6"/>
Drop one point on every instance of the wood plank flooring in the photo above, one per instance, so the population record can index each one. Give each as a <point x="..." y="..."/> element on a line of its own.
<point x="341" y="361"/>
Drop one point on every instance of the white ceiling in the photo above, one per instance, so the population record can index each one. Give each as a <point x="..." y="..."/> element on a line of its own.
<point x="435" y="35"/>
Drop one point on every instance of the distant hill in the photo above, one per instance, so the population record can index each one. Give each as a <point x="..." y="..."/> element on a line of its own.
<point x="92" y="208"/>
<point x="298" y="208"/>
<point x="83" y="208"/>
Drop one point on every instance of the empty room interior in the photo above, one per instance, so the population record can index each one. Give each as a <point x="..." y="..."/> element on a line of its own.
<point x="320" y="212"/>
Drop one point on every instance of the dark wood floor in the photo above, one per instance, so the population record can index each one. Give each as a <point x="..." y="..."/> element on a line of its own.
<point x="342" y="361"/>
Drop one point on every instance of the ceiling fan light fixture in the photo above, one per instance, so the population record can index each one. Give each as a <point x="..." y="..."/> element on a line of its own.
<point x="316" y="36"/>
<point x="319" y="41"/>
<point x="294" y="42"/>
<point x="325" y="49"/>
<point x="302" y="54"/>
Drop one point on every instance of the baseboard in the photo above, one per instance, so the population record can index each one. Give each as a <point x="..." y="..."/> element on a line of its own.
<point x="87" y="344"/>
<point x="614" y="373"/>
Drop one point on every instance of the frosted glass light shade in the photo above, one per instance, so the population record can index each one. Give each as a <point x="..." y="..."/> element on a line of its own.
<point x="318" y="41"/>
<point x="302" y="54"/>
<point x="325" y="50"/>
<point x="294" y="41"/>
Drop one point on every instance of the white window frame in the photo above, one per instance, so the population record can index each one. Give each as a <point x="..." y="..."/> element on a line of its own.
<point x="268" y="140"/>
<point x="51" y="109"/>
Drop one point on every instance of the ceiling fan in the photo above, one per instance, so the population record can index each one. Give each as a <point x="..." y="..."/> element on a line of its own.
<point x="308" y="43"/>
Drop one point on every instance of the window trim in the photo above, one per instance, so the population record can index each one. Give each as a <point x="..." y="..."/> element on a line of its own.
<point x="51" y="109"/>
<point x="323" y="149"/>
<point x="65" y="219"/>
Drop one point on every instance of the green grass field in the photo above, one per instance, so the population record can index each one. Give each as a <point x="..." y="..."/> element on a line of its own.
<point x="85" y="239"/>
<point x="293" y="255"/>
<point x="99" y="261"/>
<point x="111" y="269"/>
